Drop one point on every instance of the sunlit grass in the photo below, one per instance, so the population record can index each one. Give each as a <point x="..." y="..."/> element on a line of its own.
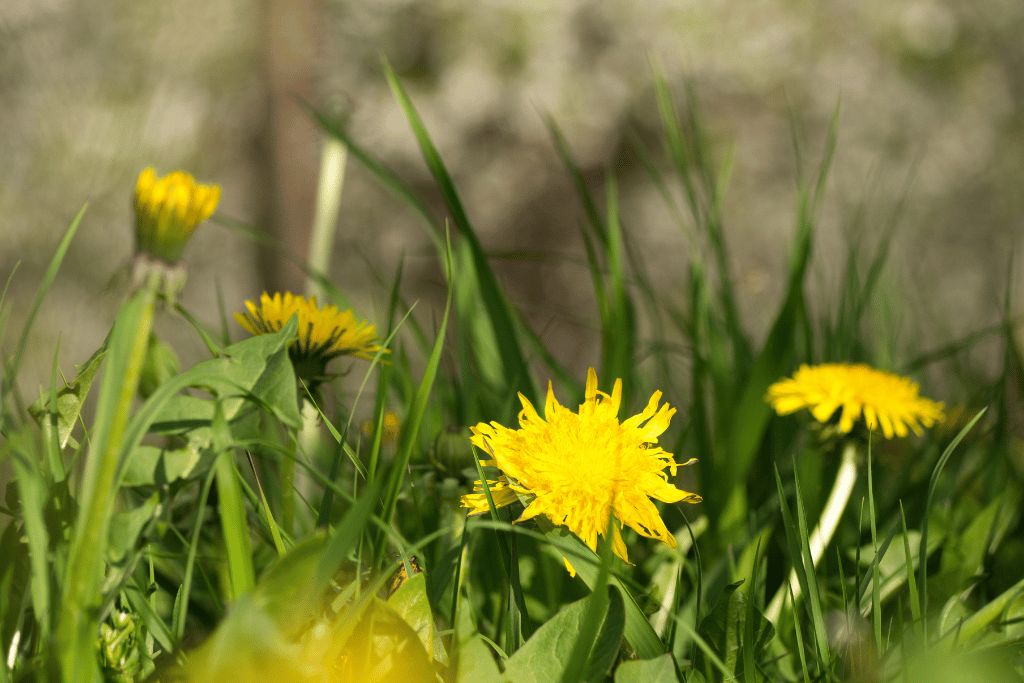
<point x="228" y="522"/>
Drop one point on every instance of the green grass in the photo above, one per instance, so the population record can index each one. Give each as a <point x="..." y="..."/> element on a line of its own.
<point x="197" y="513"/>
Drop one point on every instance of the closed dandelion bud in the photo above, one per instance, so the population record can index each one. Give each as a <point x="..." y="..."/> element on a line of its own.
<point x="161" y="364"/>
<point x="168" y="210"/>
<point x="452" y="452"/>
<point x="119" y="648"/>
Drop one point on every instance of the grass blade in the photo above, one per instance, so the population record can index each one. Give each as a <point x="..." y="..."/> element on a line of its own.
<point x="516" y="371"/>
<point x="410" y="430"/>
<point x="932" y="484"/>
<point x="44" y="287"/>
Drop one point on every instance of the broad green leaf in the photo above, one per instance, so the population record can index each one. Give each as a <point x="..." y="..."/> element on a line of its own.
<point x="287" y="590"/>
<point x="657" y="670"/>
<point x="125" y="527"/>
<point x="964" y="554"/>
<point x="476" y="663"/>
<point x="609" y="638"/>
<point x="233" y="376"/>
<point x="257" y="367"/>
<point x="411" y="603"/>
<point x="161" y="365"/>
<point x="152" y="466"/>
<point x="543" y="657"/>
<point x="638" y="631"/>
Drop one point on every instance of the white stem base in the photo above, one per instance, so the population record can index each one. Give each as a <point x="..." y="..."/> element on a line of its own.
<point x="846" y="477"/>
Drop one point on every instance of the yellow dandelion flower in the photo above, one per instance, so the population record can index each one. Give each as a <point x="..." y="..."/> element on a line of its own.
<point x="577" y="469"/>
<point x="323" y="333"/>
<point x="167" y="211"/>
<point x="885" y="399"/>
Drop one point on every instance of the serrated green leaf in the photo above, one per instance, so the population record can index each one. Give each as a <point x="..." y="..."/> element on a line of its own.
<point x="152" y="466"/>
<point x="723" y="628"/>
<point x="257" y="368"/>
<point x="69" y="399"/>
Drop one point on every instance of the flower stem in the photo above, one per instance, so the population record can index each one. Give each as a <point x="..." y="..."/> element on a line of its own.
<point x="846" y="477"/>
<point x="333" y="156"/>
<point x="287" y="473"/>
<point x="80" y="613"/>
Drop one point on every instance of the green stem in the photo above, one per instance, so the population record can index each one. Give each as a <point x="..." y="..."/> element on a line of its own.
<point x="846" y="477"/>
<point x="287" y="473"/>
<point x="79" y="616"/>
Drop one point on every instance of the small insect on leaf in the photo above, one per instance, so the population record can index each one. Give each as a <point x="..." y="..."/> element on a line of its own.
<point x="402" y="575"/>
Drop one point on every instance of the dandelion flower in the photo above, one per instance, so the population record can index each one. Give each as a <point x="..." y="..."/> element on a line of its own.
<point x="577" y="469"/>
<point x="885" y="399"/>
<point x="168" y="210"/>
<point x="323" y="333"/>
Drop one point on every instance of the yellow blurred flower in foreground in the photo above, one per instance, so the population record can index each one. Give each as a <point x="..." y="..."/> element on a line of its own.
<point x="577" y="469"/>
<point x="323" y="334"/>
<point x="289" y="630"/>
<point x="885" y="399"/>
<point x="167" y="211"/>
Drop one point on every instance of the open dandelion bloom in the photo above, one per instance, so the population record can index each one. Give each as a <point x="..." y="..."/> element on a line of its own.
<point x="885" y="399"/>
<point x="167" y="211"/>
<point x="577" y="469"/>
<point x="323" y="334"/>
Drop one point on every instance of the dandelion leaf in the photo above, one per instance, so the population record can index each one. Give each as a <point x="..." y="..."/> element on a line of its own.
<point x="657" y="670"/>
<point x="69" y="400"/>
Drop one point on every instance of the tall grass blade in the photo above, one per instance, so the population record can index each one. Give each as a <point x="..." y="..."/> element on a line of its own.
<point x="578" y="181"/>
<point x="933" y="482"/>
<point x="44" y="286"/>
<point x="803" y="565"/>
<point x="181" y="605"/>
<point x="516" y="371"/>
<point x="336" y="128"/>
<point x="33" y="491"/>
<point x="619" y="328"/>
<point x="407" y="438"/>
<point x="82" y="582"/>
<point x="233" y="519"/>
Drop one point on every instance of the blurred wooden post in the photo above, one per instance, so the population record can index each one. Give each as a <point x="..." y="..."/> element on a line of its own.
<point x="293" y="139"/>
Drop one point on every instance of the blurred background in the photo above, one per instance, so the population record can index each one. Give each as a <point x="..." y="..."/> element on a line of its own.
<point x="931" y="95"/>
